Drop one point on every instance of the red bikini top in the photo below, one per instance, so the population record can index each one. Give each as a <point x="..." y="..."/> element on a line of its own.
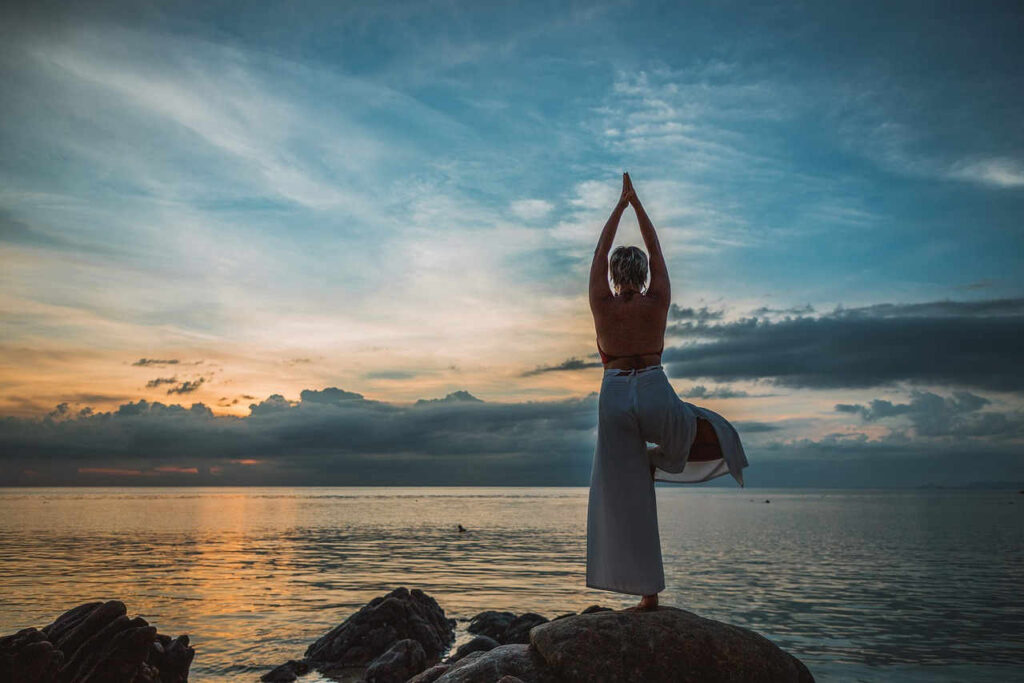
<point x="606" y="358"/>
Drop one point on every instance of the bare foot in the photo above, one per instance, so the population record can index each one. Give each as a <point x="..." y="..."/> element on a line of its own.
<point x="648" y="602"/>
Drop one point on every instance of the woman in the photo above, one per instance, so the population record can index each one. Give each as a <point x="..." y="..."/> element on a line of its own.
<point x="637" y="405"/>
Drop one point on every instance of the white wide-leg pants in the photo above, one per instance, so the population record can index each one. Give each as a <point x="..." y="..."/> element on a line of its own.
<point x="636" y="407"/>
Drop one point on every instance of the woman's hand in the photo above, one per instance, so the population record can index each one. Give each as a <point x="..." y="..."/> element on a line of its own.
<point x="628" y="194"/>
<point x="628" y="189"/>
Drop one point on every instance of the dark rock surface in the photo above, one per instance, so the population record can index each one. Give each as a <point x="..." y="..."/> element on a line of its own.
<point x="506" y="627"/>
<point x="93" y="642"/>
<point x="286" y="672"/>
<point x="398" y="664"/>
<point x="431" y="674"/>
<point x="373" y="629"/>
<point x="665" y="644"/>
<point x="596" y="608"/>
<point x="478" y="644"/>
<point x="515" y="659"/>
<point x="491" y="623"/>
<point x="519" y="630"/>
<point x="371" y="632"/>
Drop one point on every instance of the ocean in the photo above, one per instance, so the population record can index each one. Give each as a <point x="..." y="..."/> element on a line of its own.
<point x="862" y="585"/>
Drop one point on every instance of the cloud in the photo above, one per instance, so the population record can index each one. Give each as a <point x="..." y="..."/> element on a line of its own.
<point x="454" y="397"/>
<point x="390" y="374"/>
<point x="675" y="312"/>
<point x="531" y="209"/>
<point x="568" y="364"/>
<point x="329" y="436"/>
<point x="328" y="396"/>
<point x="700" y="391"/>
<point x="998" y="172"/>
<point x="957" y="343"/>
<point x="751" y="427"/>
<point x="932" y="415"/>
<point x="148" y="362"/>
<point x="154" y="383"/>
<point x="792" y="310"/>
<point x="187" y="387"/>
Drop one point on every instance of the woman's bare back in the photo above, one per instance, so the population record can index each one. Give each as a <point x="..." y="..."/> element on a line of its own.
<point x="631" y="329"/>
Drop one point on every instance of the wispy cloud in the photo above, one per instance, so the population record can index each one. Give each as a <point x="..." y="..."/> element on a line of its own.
<point x="995" y="172"/>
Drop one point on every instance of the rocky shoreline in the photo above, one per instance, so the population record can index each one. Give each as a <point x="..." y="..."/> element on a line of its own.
<point x="403" y="637"/>
<point x="92" y="643"/>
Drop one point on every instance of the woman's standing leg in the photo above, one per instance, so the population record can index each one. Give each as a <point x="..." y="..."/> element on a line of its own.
<point x="623" y="545"/>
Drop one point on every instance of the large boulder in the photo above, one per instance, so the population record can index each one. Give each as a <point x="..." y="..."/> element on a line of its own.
<point x="95" y="641"/>
<point x="379" y="624"/>
<point x="665" y="644"/>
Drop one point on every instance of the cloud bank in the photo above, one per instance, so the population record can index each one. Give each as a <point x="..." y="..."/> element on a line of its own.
<point x="954" y="343"/>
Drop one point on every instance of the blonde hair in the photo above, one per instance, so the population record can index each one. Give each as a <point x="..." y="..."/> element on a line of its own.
<point x="629" y="267"/>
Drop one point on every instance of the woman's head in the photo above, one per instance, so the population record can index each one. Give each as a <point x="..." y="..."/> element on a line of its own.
<point x="629" y="268"/>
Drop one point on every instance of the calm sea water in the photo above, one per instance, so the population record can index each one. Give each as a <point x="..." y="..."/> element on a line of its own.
<point x="861" y="585"/>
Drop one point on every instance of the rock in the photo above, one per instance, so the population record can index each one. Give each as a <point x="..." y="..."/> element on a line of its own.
<point x="563" y="616"/>
<point x="386" y="619"/>
<point x="478" y="644"/>
<point x="514" y="659"/>
<point x="28" y="656"/>
<point x="289" y="671"/>
<point x="510" y="679"/>
<point x="665" y="644"/>
<point x="95" y="642"/>
<point x="491" y="623"/>
<point x="398" y="664"/>
<point x="596" y="608"/>
<point x="431" y="674"/>
<point x="173" y="658"/>
<point x="519" y="630"/>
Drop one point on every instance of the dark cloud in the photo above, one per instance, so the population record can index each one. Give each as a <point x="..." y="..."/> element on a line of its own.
<point x="187" y="387"/>
<point x="935" y="416"/>
<point x="454" y="397"/>
<point x="568" y="364"/>
<point x="958" y="343"/>
<point x="146" y="362"/>
<point x="701" y="391"/>
<point x="701" y="314"/>
<point x="329" y="436"/>
<point x="390" y="374"/>
<point x="154" y="383"/>
<point x="750" y="427"/>
<point x="793" y="310"/>
<point x="336" y="437"/>
<point x="330" y="395"/>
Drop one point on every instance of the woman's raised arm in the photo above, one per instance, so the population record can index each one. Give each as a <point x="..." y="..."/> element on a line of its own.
<point x="599" y="267"/>
<point x="659" y="286"/>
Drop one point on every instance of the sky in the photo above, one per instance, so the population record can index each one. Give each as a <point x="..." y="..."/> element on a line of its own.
<point x="348" y="243"/>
